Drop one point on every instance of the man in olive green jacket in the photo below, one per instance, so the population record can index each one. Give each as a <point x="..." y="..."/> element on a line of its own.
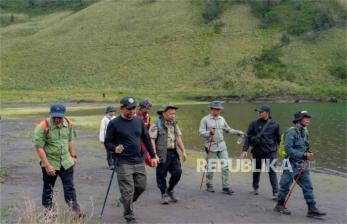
<point x="53" y="140"/>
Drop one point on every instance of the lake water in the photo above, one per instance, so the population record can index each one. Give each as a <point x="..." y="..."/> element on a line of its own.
<point x="327" y="129"/>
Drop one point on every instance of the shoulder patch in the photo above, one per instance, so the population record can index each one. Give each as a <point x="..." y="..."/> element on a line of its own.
<point x="154" y="128"/>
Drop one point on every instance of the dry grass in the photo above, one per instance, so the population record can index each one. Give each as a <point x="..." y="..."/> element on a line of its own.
<point x="29" y="213"/>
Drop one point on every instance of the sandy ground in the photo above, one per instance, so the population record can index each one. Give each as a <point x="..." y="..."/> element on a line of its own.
<point x="194" y="206"/>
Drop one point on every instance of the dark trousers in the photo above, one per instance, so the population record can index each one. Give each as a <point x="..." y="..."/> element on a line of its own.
<point x="304" y="182"/>
<point x="132" y="183"/>
<point x="272" y="174"/>
<point x="173" y="166"/>
<point x="66" y="177"/>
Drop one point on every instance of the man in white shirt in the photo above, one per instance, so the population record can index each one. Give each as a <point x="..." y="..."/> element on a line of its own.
<point x="212" y="127"/>
<point x="110" y="114"/>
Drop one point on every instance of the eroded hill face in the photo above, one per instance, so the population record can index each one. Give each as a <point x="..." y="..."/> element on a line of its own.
<point x="159" y="46"/>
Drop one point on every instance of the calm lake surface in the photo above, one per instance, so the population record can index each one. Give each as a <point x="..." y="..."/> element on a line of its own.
<point x="327" y="129"/>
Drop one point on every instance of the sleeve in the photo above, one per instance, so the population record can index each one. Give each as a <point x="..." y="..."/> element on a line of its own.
<point x="110" y="137"/>
<point x="250" y="133"/>
<point x="203" y="131"/>
<point x="102" y="131"/>
<point x="278" y="134"/>
<point x="72" y="133"/>
<point x="147" y="140"/>
<point x="39" y="136"/>
<point x="229" y="130"/>
<point x="289" y="146"/>
<point x="179" y="133"/>
<point x="153" y="131"/>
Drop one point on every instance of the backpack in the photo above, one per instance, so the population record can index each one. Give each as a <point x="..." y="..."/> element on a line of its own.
<point x="45" y="124"/>
<point x="282" y="151"/>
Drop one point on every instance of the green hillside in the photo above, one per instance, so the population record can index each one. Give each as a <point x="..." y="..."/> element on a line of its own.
<point x="164" y="50"/>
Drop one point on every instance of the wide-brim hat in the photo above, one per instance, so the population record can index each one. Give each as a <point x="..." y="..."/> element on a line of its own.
<point x="299" y="115"/>
<point x="165" y="107"/>
<point x="216" y="105"/>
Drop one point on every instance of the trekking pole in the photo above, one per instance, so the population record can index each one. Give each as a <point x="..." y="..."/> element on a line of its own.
<point x="299" y="175"/>
<point x="108" y="190"/>
<point x="208" y="154"/>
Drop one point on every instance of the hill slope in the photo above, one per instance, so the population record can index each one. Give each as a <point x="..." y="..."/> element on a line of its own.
<point x="157" y="48"/>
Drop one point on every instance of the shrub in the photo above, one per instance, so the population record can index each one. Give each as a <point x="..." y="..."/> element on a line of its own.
<point x="212" y="11"/>
<point x="322" y="21"/>
<point x="297" y="17"/>
<point x="339" y="71"/>
<point x="269" y="65"/>
<point x="285" y="40"/>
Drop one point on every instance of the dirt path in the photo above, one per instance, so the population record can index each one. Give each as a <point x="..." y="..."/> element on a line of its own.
<point x="195" y="206"/>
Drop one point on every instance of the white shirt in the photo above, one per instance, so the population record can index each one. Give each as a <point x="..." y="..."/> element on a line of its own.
<point x="207" y="123"/>
<point x="103" y="127"/>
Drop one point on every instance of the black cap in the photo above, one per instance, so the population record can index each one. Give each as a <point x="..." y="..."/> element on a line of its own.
<point x="263" y="108"/>
<point x="300" y="115"/>
<point x="128" y="102"/>
<point x="216" y="105"/>
<point x="146" y="104"/>
<point x="165" y="107"/>
<point x="110" y="109"/>
<point x="58" y="110"/>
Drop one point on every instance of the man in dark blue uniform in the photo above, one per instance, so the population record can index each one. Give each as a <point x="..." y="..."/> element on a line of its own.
<point x="297" y="148"/>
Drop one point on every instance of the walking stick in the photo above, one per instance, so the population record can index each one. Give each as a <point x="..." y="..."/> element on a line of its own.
<point x="108" y="190"/>
<point x="299" y="175"/>
<point x="208" y="154"/>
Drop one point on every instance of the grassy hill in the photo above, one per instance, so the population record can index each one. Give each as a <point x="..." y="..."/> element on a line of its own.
<point x="160" y="49"/>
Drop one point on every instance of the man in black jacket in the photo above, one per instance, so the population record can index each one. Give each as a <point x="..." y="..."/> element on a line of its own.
<point x="263" y="136"/>
<point x="123" y="136"/>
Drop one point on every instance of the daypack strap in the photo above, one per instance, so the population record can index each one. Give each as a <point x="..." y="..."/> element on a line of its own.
<point x="263" y="129"/>
<point x="45" y="124"/>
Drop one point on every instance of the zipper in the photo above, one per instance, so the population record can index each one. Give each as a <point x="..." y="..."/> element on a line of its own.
<point x="217" y="132"/>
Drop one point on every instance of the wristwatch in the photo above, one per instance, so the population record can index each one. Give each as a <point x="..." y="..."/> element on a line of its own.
<point x="74" y="156"/>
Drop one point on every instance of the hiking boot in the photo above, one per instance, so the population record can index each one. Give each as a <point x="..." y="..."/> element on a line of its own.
<point x="255" y="191"/>
<point x="171" y="196"/>
<point x="209" y="188"/>
<point x="131" y="221"/>
<point x="78" y="214"/>
<point x="164" y="199"/>
<point x="50" y="214"/>
<point x="228" y="191"/>
<point x="274" y="196"/>
<point x="281" y="209"/>
<point x="314" y="212"/>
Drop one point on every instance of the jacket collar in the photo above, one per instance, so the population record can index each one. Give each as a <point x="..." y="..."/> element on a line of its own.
<point x="214" y="118"/>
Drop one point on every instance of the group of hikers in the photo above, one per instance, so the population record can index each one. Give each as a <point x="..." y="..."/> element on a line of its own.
<point x="131" y="140"/>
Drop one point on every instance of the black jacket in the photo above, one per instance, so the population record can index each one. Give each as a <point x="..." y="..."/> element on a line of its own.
<point x="129" y="133"/>
<point x="267" y="142"/>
